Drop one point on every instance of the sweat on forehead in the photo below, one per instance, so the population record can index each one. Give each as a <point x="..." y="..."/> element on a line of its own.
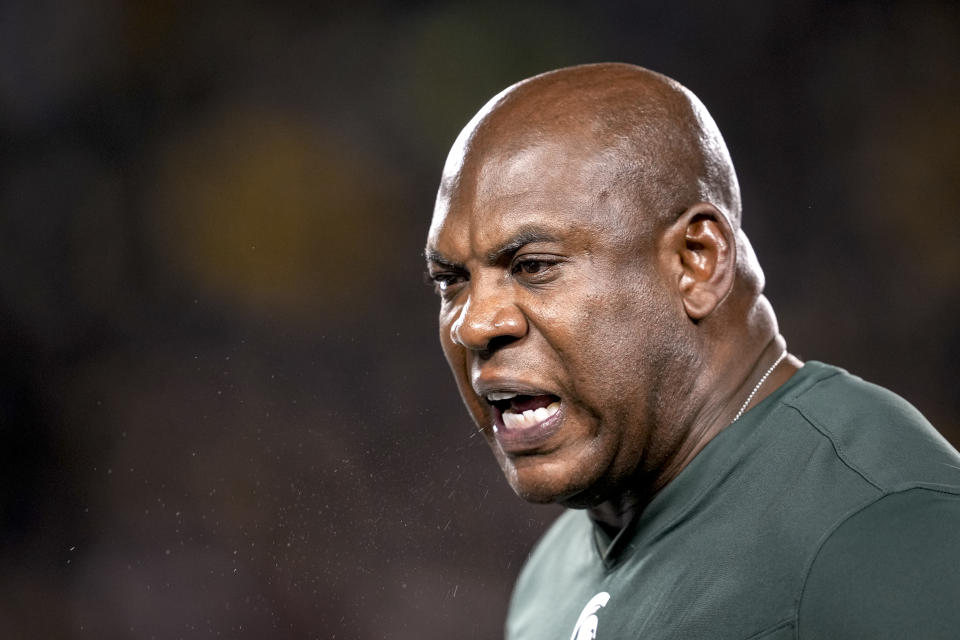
<point x="658" y="141"/>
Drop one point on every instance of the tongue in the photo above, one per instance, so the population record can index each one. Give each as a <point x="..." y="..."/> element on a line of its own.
<point x="525" y="403"/>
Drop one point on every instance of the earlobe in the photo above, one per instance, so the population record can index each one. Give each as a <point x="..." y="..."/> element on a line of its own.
<point x="705" y="244"/>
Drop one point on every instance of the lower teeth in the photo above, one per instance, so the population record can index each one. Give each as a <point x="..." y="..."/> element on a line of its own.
<point x="530" y="417"/>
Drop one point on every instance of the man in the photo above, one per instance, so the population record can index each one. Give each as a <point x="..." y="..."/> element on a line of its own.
<point x="602" y="312"/>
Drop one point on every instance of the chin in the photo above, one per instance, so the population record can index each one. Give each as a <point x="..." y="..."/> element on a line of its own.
<point x="541" y="483"/>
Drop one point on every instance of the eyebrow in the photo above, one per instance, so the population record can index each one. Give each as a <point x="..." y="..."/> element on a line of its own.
<point x="432" y="255"/>
<point x="524" y="236"/>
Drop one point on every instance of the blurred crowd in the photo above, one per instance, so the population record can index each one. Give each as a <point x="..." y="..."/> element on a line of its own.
<point x="223" y="409"/>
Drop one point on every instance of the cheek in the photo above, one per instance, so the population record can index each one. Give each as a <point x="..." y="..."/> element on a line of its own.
<point x="611" y="345"/>
<point x="452" y="352"/>
<point x="457" y="361"/>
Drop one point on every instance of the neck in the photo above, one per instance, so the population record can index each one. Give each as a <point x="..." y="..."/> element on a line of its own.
<point x="724" y="384"/>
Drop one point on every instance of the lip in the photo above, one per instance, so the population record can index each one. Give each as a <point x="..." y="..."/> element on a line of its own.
<point x="528" y="440"/>
<point x="485" y="386"/>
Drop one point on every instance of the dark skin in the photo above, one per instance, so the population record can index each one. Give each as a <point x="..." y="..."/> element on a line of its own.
<point x="587" y="251"/>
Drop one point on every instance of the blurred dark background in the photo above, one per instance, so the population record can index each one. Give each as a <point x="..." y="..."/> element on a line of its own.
<point x="223" y="411"/>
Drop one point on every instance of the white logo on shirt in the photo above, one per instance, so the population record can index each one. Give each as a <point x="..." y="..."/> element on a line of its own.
<point x="586" y="627"/>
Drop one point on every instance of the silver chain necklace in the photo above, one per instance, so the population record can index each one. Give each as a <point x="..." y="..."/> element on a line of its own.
<point x="759" y="384"/>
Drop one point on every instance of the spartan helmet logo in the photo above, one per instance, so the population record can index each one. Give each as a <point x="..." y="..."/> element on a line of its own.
<point x="586" y="627"/>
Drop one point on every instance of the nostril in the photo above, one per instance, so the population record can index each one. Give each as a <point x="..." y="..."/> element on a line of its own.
<point x="497" y="343"/>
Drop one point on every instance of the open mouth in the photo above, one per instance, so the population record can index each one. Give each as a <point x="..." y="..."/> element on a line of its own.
<point x="515" y="411"/>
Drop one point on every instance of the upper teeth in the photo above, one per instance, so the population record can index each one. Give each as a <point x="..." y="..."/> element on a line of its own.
<point x="496" y="396"/>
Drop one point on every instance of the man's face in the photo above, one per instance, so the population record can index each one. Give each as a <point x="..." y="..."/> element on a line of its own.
<point x="555" y="319"/>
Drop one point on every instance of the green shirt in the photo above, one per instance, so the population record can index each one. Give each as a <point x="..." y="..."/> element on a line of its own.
<point x="830" y="510"/>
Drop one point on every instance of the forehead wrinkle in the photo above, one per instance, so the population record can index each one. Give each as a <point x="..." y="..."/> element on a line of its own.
<point x="555" y="177"/>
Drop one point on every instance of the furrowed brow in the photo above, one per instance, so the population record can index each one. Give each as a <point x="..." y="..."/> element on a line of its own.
<point x="523" y="237"/>
<point x="437" y="258"/>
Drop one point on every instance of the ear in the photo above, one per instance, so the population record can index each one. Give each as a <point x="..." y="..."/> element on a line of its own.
<point x="701" y="249"/>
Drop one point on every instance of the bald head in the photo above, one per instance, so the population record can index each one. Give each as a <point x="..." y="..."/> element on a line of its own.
<point x="656" y="139"/>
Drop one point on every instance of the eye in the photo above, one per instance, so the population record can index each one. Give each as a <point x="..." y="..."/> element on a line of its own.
<point x="530" y="266"/>
<point x="444" y="282"/>
<point x="534" y="269"/>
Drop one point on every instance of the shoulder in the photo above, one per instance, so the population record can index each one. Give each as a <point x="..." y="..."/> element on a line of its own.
<point x="889" y="570"/>
<point x="888" y="566"/>
<point x="874" y="431"/>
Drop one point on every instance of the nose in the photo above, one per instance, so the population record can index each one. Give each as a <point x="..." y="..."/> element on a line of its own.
<point x="489" y="319"/>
